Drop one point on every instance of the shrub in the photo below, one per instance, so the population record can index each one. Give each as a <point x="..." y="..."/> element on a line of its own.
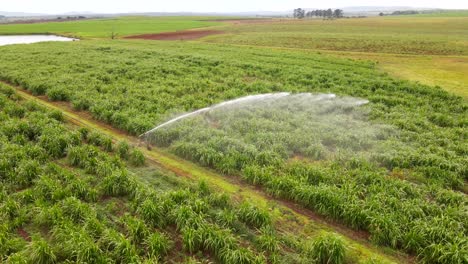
<point x="226" y="218"/>
<point x="123" y="150"/>
<point x="136" y="229"/>
<point x="151" y="212"/>
<point x="191" y="239"/>
<point x="220" y="200"/>
<point x="57" y="115"/>
<point x="57" y="94"/>
<point x="15" y="111"/>
<point x="9" y="243"/>
<point x="27" y="171"/>
<point x="252" y="215"/>
<point x="123" y="250"/>
<point x="137" y="158"/>
<point x="76" y="210"/>
<point x="118" y="184"/>
<point x="451" y="252"/>
<point x="6" y="90"/>
<point x="37" y="89"/>
<point x="267" y="240"/>
<point x="81" y="104"/>
<point x="239" y="256"/>
<point x="55" y="141"/>
<point x="157" y="245"/>
<point x="99" y="140"/>
<point x="83" y="133"/>
<point x="327" y="249"/>
<point x="40" y="252"/>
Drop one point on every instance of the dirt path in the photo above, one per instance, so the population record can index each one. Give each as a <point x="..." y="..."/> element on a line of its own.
<point x="178" y="35"/>
<point x="292" y="218"/>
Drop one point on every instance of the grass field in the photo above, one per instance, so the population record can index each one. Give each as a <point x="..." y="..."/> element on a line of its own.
<point x="445" y="13"/>
<point x="103" y="28"/>
<point x="71" y="194"/>
<point x="412" y="35"/>
<point x="447" y="72"/>
<point x="425" y="40"/>
<point x="393" y="170"/>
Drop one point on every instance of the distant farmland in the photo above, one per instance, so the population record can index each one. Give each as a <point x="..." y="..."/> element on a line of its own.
<point x="104" y="28"/>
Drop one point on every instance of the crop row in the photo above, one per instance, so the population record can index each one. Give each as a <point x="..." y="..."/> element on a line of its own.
<point x="67" y="195"/>
<point x="408" y="195"/>
<point x="426" y="220"/>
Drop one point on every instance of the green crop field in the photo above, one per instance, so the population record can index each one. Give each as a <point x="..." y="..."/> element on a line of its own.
<point x="423" y="40"/>
<point x="356" y="144"/>
<point x="103" y="28"/>
<point x="70" y="194"/>
<point x="412" y="35"/>
<point x="445" y="13"/>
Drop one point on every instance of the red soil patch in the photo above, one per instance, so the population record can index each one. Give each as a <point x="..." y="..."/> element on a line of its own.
<point x="24" y="234"/>
<point x="178" y="35"/>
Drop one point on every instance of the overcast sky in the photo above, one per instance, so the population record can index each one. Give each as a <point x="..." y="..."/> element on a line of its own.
<point x="113" y="6"/>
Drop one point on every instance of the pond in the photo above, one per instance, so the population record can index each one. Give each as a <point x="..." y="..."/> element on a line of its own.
<point x="27" y="39"/>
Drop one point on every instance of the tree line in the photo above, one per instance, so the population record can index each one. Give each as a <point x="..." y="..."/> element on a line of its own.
<point x="399" y="13"/>
<point x="325" y="13"/>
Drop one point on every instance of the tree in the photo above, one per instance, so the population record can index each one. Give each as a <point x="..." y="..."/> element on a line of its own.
<point x="381" y="14"/>
<point x="320" y="13"/>
<point x="113" y="33"/>
<point x="338" y="13"/>
<point x="328" y="13"/>
<point x="299" y="13"/>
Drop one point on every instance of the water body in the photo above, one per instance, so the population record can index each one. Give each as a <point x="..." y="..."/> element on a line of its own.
<point x="28" y="39"/>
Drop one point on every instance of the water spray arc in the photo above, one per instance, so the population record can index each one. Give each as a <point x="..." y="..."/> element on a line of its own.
<point x="302" y="98"/>
<point x="246" y="99"/>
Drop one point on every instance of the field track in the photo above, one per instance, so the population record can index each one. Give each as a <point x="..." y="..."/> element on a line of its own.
<point x="293" y="218"/>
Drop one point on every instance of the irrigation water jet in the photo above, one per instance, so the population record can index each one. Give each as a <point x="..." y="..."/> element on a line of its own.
<point x="245" y="99"/>
<point x="281" y="125"/>
<point x="274" y="101"/>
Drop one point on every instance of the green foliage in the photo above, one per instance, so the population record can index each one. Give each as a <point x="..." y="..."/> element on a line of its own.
<point x="101" y="28"/>
<point x="137" y="158"/>
<point x="158" y="245"/>
<point x="90" y="209"/>
<point x="136" y="229"/>
<point x="57" y="94"/>
<point x="57" y="115"/>
<point x="453" y="252"/>
<point x="253" y="215"/>
<point x="406" y="195"/>
<point x="123" y="150"/>
<point x="326" y="249"/>
<point x="100" y="140"/>
<point x="191" y="239"/>
<point x="268" y="241"/>
<point x="121" y="249"/>
<point x="152" y="212"/>
<point x="41" y="252"/>
<point x="240" y="256"/>
<point x="84" y="133"/>
<point x="27" y="171"/>
<point x="396" y="35"/>
<point x="117" y="184"/>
